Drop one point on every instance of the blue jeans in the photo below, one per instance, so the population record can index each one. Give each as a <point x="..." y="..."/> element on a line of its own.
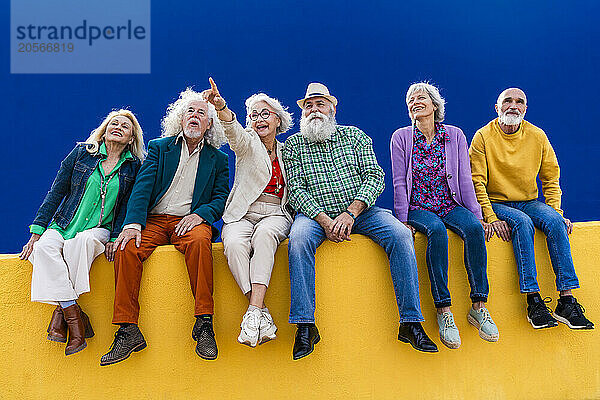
<point x="523" y="217"/>
<point x="462" y="222"/>
<point x="380" y="225"/>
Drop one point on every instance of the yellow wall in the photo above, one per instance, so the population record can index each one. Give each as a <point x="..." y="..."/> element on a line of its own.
<point x="358" y="356"/>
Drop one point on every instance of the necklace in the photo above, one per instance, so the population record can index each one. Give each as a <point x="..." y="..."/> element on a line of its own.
<point x="269" y="152"/>
<point x="103" y="190"/>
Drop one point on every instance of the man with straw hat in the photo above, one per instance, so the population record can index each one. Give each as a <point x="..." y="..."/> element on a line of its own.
<point x="334" y="180"/>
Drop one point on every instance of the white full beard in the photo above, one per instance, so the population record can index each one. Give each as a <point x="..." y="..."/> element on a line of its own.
<point x="193" y="133"/>
<point x="317" y="129"/>
<point x="510" y="120"/>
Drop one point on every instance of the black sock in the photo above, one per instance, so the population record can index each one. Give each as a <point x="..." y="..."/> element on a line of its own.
<point x="205" y="317"/>
<point x="532" y="296"/>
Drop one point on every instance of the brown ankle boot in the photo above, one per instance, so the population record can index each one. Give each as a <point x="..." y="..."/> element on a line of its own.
<point x="76" y="327"/>
<point x="89" y="332"/>
<point x="57" y="330"/>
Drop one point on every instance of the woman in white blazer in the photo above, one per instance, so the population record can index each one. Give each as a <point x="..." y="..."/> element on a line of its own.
<point x="257" y="216"/>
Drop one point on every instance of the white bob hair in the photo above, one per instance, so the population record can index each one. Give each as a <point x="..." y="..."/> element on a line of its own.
<point x="137" y="147"/>
<point x="284" y="116"/>
<point x="171" y="123"/>
<point x="434" y="95"/>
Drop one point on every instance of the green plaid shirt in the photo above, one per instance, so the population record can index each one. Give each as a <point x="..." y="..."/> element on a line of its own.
<point x="327" y="177"/>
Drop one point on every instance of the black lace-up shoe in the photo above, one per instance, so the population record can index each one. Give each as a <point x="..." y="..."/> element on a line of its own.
<point x="204" y="335"/>
<point x="307" y="335"/>
<point x="538" y="314"/>
<point x="413" y="333"/>
<point x="127" y="340"/>
<point x="570" y="312"/>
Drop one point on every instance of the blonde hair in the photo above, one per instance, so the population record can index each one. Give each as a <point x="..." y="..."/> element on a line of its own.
<point x="137" y="147"/>
<point x="171" y="123"/>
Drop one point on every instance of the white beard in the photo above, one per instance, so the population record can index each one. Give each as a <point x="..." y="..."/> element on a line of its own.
<point x="192" y="133"/>
<point x="511" y="120"/>
<point x="316" y="129"/>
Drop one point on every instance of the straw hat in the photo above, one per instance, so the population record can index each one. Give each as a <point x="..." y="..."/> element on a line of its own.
<point x="316" y="89"/>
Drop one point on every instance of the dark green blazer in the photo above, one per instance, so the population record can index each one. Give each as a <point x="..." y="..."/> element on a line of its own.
<point x="156" y="174"/>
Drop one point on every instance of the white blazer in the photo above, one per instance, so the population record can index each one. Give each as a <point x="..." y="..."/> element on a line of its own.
<point x="253" y="171"/>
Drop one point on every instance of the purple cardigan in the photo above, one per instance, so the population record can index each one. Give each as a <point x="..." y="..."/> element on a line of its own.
<point x="458" y="170"/>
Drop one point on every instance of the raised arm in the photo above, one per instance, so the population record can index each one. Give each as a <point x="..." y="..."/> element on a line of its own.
<point x="237" y="137"/>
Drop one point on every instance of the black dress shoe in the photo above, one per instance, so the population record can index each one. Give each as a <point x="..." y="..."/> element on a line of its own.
<point x="413" y="333"/>
<point x="307" y="336"/>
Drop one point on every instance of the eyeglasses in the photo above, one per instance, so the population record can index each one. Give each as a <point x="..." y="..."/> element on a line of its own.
<point x="264" y="114"/>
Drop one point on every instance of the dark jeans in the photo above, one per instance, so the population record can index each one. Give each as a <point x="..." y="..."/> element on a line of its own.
<point x="465" y="224"/>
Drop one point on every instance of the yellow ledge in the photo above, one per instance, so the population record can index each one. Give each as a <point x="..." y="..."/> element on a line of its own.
<point x="358" y="356"/>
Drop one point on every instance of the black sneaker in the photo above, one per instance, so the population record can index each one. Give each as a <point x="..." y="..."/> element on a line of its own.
<point x="127" y="340"/>
<point x="570" y="312"/>
<point x="204" y="335"/>
<point x="537" y="312"/>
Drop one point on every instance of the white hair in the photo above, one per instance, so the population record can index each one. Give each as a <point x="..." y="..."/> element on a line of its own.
<point x="136" y="147"/>
<point x="284" y="116"/>
<point x="318" y="129"/>
<point x="434" y="94"/>
<point x="171" y="123"/>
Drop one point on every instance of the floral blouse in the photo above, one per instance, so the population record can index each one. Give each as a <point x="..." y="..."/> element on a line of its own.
<point x="430" y="189"/>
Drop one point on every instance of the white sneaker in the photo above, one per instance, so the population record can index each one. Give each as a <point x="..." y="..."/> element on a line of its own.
<point x="267" y="327"/>
<point x="250" y="327"/>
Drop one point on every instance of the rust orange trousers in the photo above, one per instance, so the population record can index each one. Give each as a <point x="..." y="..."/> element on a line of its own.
<point x="160" y="230"/>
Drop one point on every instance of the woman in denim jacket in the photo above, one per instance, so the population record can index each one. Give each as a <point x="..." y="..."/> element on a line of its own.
<point x="433" y="190"/>
<point x="85" y="208"/>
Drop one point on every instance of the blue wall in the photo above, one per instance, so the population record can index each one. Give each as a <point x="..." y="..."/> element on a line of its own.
<point x="366" y="52"/>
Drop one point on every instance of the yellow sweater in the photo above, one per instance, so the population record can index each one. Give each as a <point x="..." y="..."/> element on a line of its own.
<point x="505" y="167"/>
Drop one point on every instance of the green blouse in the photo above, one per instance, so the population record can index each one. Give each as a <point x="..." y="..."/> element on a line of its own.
<point x="90" y="209"/>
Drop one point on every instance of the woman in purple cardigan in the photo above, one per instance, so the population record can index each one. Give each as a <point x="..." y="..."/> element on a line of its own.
<point x="433" y="190"/>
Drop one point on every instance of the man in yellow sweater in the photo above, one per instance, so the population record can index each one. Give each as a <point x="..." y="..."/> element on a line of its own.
<point x="507" y="155"/>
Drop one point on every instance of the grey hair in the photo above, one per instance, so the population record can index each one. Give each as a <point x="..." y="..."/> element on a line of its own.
<point x="171" y="123"/>
<point x="284" y="116"/>
<point x="434" y="95"/>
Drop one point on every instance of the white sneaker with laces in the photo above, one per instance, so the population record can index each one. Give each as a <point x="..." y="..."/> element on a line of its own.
<point x="267" y="327"/>
<point x="250" y="327"/>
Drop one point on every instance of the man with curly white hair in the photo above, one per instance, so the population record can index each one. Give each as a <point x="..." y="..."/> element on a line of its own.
<point x="179" y="193"/>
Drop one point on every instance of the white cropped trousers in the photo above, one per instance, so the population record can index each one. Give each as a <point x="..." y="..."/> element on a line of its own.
<point x="250" y="243"/>
<point x="61" y="268"/>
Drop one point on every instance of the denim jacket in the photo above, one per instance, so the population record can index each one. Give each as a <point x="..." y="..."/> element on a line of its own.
<point x="62" y="201"/>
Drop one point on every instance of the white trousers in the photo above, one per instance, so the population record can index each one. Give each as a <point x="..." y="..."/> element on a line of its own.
<point x="61" y="268"/>
<point x="250" y="243"/>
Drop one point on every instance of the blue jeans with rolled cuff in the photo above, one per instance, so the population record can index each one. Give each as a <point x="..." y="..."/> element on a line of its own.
<point x="464" y="223"/>
<point x="382" y="227"/>
<point x="523" y="217"/>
